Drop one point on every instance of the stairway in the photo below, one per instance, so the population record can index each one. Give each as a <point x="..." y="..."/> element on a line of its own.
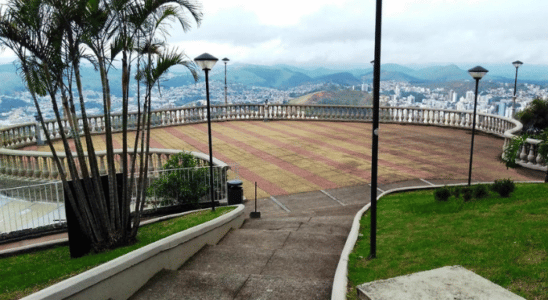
<point x="283" y="255"/>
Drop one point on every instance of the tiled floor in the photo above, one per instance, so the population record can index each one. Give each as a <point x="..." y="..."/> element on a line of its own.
<point x="287" y="157"/>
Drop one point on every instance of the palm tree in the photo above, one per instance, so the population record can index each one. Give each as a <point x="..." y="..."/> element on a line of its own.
<point x="51" y="38"/>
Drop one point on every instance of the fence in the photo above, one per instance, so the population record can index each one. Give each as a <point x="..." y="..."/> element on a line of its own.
<point x="44" y="204"/>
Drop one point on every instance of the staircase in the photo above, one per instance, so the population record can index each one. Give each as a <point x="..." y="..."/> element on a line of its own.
<point x="283" y="255"/>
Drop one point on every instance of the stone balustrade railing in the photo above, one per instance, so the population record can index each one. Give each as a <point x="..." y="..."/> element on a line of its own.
<point x="40" y="165"/>
<point x="27" y="134"/>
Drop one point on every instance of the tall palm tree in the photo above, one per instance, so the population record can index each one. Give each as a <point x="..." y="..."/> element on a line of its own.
<point x="51" y="38"/>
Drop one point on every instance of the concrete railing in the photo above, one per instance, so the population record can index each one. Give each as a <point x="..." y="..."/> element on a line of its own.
<point x="27" y="134"/>
<point x="122" y="277"/>
<point x="40" y="165"/>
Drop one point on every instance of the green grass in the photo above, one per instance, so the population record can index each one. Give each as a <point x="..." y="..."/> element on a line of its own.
<point x="502" y="239"/>
<point x="27" y="273"/>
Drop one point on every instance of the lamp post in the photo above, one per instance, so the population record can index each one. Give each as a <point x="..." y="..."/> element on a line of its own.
<point x="206" y="62"/>
<point x="375" y="142"/>
<point x="372" y="64"/>
<point x="225" y="60"/>
<point x="516" y="64"/>
<point x="477" y="73"/>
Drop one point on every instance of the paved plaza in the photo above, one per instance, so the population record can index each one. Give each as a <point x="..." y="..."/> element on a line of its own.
<point x="288" y="157"/>
<point x="313" y="177"/>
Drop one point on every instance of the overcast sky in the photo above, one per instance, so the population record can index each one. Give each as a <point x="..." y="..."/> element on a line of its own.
<point x="341" y="32"/>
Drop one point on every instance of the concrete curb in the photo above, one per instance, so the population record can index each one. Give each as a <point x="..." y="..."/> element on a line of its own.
<point x="64" y="241"/>
<point x="340" y="280"/>
<point x="122" y="277"/>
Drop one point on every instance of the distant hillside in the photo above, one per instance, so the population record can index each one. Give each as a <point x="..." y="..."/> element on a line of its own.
<point x="285" y="76"/>
<point x="340" y="97"/>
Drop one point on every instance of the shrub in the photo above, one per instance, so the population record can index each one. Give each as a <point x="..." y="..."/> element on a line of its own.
<point x="442" y="194"/>
<point x="467" y="194"/>
<point x="455" y="191"/>
<point x="504" y="187"/>
<point x="480" y="191"/>
<point x="182" y="182"/>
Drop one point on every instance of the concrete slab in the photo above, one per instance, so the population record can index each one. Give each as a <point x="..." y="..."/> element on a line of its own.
<point x="305" y="201"/>
<point x="172" y="285"/>
<point x="297" y="264"/>
<point x="265" y="206"/>
<point x="216" y="259"/>
<point x="322" y="243"/>
<point x="451" y="282"/>
<point x="255" y="239"/>
<point x="276" y="287"/>
<point x="273" y="224"/>
<point x="394" y="185"/>
<point x="352" y="194"/>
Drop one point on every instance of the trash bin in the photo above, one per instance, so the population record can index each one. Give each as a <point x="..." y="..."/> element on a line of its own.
<point x="235" y="191"/>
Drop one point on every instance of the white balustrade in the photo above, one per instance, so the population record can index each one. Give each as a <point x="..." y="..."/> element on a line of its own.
<point x="26" y="134"/>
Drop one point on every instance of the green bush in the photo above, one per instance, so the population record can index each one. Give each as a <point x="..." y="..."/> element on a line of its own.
<point x="534" y="116"/>
<point x="504" y="187"/>
<point x="455" y="191"/>
<point x="467" y="194"/>
<point x="442" y="194"/>
<point x="480" y="191"/>
<point x="183" y="182"/>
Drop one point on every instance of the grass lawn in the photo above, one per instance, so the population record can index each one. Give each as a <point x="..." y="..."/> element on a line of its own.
<point x="27" y="273"/>
<point x="502" y="239"/>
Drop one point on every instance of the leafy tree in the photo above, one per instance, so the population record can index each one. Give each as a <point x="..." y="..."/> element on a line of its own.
<point x="183" y="182"/>
<point x="51" y="38"/>
<point x="535" y="116"/>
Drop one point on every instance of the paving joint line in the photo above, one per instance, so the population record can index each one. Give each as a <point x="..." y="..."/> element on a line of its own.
<point x="333" y="198"/>
<point x="427" y="182"/>
<point x="279" y="204"/>
<point x="378" y="188"/>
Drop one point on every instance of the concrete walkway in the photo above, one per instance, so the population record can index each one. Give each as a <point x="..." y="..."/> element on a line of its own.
<point x="291" y="252"/>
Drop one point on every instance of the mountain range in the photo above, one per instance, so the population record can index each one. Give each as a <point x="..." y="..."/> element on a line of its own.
<point x="286" y="76"/>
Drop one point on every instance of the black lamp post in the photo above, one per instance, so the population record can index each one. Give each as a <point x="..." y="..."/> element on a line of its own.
<point x="225" y="60"/>
<point x="375" y="143"/>
<point x="206" y="62"/>
<point x="477" y="73"/>
<point x="516" y="64"/>
<point x="373" y="64"/>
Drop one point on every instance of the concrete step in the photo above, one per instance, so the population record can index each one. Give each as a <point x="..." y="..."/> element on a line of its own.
<point x="213" y="259"/>
<point x="175" y="285"/>
<point x="339" y="225"/>
<point x="277" y="287"/>
<point x="247" y="239"/>
<point x="191" y="285"/>
<point x="349" y="209"/>
<point x="279" y="262"/>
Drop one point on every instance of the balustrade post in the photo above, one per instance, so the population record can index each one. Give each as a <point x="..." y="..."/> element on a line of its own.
<point x="531" y="157"/>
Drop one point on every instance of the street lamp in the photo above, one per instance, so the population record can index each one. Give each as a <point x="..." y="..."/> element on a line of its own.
<point x="516" y="64"/>
<point x="375" y="136"/>
<point x="206" y="62"/>
<point x="372" y="64"/>
<point x="477" y="73"/>
<point x="226" y="99"/>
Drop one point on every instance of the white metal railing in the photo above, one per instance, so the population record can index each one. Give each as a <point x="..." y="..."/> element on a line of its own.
<point x="31" y="206"/>
<point x="27" y="134"/>
<point x="40" y="205"/>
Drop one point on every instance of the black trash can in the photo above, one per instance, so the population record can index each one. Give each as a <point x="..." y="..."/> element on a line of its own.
<point x="235" y="191"/>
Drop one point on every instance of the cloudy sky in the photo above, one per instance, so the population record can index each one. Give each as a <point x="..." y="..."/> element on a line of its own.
<point x="327" y="32"/>
<point x="341" y="32"/>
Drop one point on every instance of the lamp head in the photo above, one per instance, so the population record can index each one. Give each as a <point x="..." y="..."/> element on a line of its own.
<point x="517" y="64"/>
<point x="206" y="61"/>
<point x="225" y="60"/>
<point x="477" y="72"/>
<point x="373" y="63"/>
